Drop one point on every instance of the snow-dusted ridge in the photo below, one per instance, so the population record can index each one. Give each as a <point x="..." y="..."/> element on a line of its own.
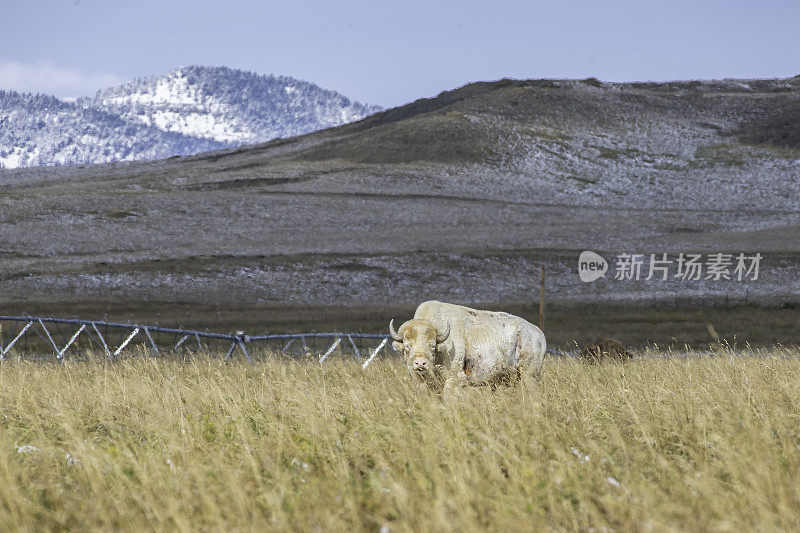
<point x="188" y="110"/>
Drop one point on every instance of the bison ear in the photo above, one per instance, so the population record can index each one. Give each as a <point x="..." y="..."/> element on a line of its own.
<point x="397" y="347"/>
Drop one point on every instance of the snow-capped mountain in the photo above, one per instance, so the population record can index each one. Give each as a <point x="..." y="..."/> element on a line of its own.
<point x="43" y="130"/>
<point x="189" y="110"/>
<point x="230" y="106"/>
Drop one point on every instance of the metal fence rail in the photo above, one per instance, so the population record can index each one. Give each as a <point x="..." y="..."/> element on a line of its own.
<point x="35" y="340"/>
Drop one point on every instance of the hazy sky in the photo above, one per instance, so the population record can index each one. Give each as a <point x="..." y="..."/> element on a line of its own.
<point x="389" y="53"/>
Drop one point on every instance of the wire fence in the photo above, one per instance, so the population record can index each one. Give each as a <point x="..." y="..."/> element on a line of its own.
<point x="33" y="337"/>
<point x="59" y="339"/>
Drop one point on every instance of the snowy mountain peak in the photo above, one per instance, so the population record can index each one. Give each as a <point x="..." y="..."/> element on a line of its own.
<point x="187" y="110"/>
<point x="230" y="106"/>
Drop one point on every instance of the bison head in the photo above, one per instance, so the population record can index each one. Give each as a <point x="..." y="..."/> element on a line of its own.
<point x="418" y="341"/>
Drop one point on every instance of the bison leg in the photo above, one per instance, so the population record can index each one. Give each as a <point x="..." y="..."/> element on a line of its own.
<point x="528" y="368"/>
<point x="455" y="378"/>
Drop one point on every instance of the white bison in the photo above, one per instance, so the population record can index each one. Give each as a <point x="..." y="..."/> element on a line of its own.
<point x="452" y="345"/>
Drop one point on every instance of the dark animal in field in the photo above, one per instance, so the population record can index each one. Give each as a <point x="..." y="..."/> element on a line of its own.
<point x="605" y="350"/>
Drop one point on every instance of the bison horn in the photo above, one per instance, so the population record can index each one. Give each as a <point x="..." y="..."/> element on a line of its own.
<point x="443" y="337"/>
<point x="394" y="334"/>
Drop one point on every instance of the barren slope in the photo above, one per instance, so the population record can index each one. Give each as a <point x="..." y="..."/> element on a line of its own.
<point x="460" y="197"/>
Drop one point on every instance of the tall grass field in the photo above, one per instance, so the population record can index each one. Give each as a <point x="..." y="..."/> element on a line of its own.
<point x="686" y="443"/>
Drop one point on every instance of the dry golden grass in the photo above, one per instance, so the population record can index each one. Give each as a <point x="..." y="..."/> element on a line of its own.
<point x="662" y="444"/>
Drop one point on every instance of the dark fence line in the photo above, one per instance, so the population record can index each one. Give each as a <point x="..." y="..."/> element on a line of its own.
<point x="154" y="339"/>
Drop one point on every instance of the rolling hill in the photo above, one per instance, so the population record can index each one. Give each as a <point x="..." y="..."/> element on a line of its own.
<point x="459" y="197"/>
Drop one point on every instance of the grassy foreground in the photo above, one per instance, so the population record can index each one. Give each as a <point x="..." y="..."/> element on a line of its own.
<point x="657" y="444"/>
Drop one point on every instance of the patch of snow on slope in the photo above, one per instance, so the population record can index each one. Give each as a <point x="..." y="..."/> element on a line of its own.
<point x="198" y="125"/>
